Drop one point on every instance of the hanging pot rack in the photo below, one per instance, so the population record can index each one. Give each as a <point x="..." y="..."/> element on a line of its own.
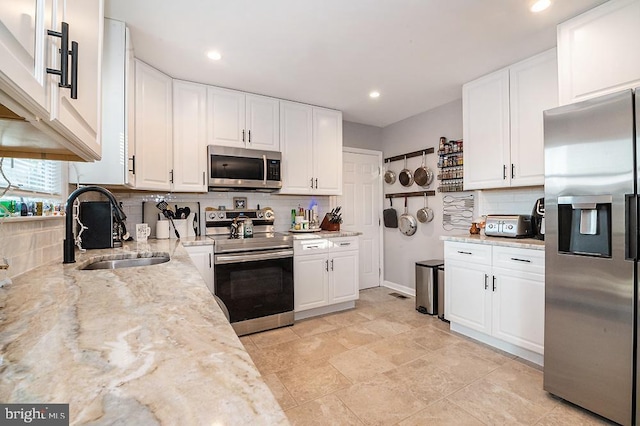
<point x="411" y="194"/>
<point x="409" y="155"/>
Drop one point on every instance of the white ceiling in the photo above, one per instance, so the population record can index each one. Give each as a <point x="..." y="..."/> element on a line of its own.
<point x="332" y="53"/>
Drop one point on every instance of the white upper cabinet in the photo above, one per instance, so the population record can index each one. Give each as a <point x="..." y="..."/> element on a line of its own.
<point x="63" y="128"/>
<point x="296" y="142"/>
<point x="503" y="123"/>
<point x="533" y="89"/>
<point x="153" y="128"/>
<point x="80" y="116"/>
<point x="189" y="136"/>
<point x="311" y="143"/>
<point x="598" y="51"/>
<point x="116" y="165"/>
<point x="485" y="116"/>
<point x="327" y="151"/>
<point x="242" y="120"/>
<point x="24" y="47"/>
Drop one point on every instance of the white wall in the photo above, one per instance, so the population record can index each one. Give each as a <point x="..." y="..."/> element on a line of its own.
<point x="421" y="131"/>
<point x="355" y="135"/>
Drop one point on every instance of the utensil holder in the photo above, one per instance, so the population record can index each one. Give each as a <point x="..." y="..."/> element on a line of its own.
<point x="326" y="225"/>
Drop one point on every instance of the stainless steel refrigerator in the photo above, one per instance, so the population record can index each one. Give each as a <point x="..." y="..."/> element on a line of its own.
<point x="591" y="240"/>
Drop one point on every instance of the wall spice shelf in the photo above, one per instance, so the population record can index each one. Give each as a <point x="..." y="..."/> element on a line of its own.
<point x="410" y="155"/>
<point x="411" y="194"/>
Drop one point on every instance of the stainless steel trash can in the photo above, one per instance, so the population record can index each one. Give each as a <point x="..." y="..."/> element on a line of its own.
<point x="427" y="286"/>
<point x="441" y="293"/>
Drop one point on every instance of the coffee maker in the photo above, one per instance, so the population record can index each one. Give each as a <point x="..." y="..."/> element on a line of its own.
<point x="537" y="219"/>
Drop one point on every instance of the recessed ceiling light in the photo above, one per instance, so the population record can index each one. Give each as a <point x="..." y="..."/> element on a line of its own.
<point x="374" y="94"/>
<point x="540" y="5"/>
<point x="214" y="55"/>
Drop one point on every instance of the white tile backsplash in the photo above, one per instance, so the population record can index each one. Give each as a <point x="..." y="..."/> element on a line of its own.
<point x="509" y="201"/>
<point x="281" y="204"/>
<point x="30" y="243"/>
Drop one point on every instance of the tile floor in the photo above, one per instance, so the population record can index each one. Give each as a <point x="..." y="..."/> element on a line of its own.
<point x="383" y="363"/>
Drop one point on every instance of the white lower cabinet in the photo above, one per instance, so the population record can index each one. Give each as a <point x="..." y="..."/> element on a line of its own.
<point x="202" y="257"/>
<point x="325" y="274"/>
<point x="496" y="292"/>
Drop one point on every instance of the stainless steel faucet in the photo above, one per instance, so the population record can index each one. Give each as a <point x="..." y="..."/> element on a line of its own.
<point x="69" y="246"/>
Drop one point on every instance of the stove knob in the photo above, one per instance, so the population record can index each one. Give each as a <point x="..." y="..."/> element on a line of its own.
<point x="260" y="215"/>
<point x="211" y="216"/>
<point x="509" y="226"/>
<point x="490" y="226"/>
<point x="221" y="215"/>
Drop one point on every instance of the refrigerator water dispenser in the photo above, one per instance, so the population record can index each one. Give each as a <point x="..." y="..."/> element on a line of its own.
<point x="584" y="225"/>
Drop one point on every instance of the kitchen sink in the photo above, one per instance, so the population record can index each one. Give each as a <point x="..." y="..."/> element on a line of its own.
<point x="126" y="263"/>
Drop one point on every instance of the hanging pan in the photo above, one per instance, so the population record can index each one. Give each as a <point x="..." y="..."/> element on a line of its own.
<point x="425" y="214"/>
<point x="389" y="176"/>
<point x="390" y="216"/>
<point x="408" y="224"/>
<point x="406" y="176"/>
<point x="423" y="175"/>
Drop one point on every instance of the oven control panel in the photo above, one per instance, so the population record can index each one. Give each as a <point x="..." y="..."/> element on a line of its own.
<point x="228" y="216"/>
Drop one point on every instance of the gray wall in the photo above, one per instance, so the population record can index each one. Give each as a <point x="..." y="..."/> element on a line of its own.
<point x="412" y="134"/>
<point x="355" y="135"/>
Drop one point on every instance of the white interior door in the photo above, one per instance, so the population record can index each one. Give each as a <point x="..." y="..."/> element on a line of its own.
<point x="361" y="202"/>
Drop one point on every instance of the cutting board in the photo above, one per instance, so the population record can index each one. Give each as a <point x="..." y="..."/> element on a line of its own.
<point x="150" y="216"/>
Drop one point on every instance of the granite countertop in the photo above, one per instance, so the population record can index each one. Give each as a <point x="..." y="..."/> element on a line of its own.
<point x="145" y="345"/>
<point x="323" y="234"/>
<point x="528" y="243"/>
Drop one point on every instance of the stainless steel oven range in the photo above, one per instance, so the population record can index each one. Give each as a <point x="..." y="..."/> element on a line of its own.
<point x="253" y="276"/>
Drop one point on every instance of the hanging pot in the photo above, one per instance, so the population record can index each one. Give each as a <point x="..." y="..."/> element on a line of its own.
<point x="423" y="175"/>
<point x="389" y="176"/>
<point x="407" y="224"/>
<point x="425" y="214"/>
<point x="406" y="176"/>
<point x="390" y="216"/>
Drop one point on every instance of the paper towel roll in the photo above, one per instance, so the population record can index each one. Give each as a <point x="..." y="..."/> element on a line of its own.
<point x="162" y="229"/>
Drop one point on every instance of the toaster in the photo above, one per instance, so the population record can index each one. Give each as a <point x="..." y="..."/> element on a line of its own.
<point x="509" y="225"/>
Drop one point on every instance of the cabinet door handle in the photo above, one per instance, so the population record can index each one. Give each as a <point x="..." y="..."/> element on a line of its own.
<point x="332" y="264"/>
<point x="326" y="265"/>
<point x="133" y="165"/>
<point x="316" y="183"/>
<point x="464" y="252"/>
<point x="513" y="170"/>
<point x="64" y="54"/>
<point x="74" y="70"/>
<point x="171" y="173"/>
<point x="504" y="171"/>
<point x="311" y="183"/>
<point x="203" y="178"/>
<point x="209" y="260"/>
<point x="249" y="136"/>
<point x="521" y="260"/>
<point x="242" y="135"/>
<point x="486" y="284"/>
<point x="494" y="283"/>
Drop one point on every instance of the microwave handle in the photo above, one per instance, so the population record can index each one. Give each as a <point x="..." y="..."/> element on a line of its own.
<point x="264" y="165"/>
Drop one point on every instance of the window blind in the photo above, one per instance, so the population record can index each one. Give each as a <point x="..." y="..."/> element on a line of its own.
<point x="39" y="176"/>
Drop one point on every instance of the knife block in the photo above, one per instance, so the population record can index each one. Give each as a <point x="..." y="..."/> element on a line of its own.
<point x="329" y="226"/>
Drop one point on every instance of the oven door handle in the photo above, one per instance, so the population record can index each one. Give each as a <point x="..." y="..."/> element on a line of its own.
<point x="221" y="259"/>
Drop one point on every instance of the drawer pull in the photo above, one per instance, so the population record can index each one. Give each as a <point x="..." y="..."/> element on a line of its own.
<point x="312" y="247"/>
<point x="521" y="260"/>
<point x="345" y="244"/>
<point x="464" y="252"/>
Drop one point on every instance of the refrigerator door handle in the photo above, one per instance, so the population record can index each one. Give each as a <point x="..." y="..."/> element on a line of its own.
<point x="631" y="227"/>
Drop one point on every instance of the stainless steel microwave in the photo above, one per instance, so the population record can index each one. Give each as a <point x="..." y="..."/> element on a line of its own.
<point x="243" y="169"/>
